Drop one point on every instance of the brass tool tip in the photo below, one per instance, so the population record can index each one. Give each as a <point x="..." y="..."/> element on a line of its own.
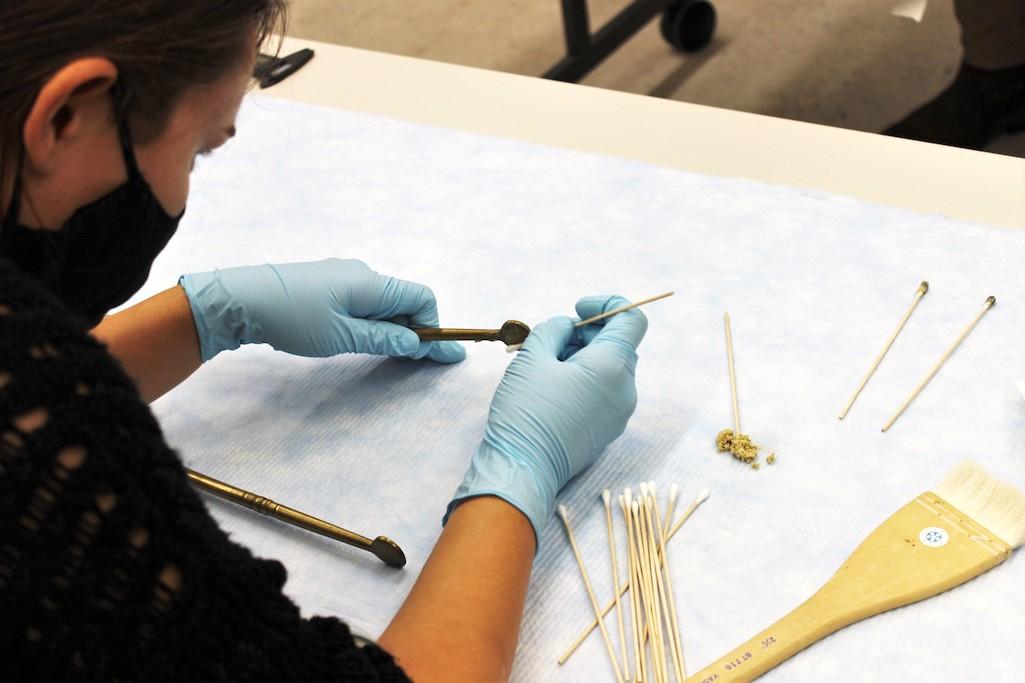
<point x="991" y="302"/>
<point x="924" y="287"/>
<point x="513" y="332"/>
<point x="388" y="551"/>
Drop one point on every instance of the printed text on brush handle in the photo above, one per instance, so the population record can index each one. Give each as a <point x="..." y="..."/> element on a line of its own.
<point x="735" y="664"/>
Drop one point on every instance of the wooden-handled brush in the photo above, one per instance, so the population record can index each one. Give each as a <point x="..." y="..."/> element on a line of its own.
<point x="968" y="524"/>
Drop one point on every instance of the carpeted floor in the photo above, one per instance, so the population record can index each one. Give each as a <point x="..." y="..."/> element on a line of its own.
<point x="847" y="63"/>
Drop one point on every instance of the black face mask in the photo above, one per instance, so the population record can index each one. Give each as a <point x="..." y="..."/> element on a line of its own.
<point x="103" y="254"/>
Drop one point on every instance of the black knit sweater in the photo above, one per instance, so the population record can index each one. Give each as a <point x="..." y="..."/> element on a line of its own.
<point x="110" y="566"/>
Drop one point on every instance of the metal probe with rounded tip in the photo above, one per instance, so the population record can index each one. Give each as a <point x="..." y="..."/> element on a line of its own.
<point x="382" y="547"/>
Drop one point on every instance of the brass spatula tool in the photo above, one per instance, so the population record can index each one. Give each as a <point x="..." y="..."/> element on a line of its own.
<point x="511" y="332"/>
<point x="384" y="548"/>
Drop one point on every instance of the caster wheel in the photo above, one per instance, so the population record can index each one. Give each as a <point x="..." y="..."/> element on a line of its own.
<point x="688" y="25"/>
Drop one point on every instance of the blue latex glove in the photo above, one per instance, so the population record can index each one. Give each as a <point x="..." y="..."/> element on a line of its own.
<point x="567" y="395"/>
<point x="320" y="308"/>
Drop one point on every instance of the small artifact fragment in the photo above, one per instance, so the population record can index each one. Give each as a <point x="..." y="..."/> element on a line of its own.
<point x="740" y="445"/>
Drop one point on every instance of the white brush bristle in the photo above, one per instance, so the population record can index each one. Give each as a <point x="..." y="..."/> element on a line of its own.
<point x="606" y="497"/>
<point x="996" y="505"/>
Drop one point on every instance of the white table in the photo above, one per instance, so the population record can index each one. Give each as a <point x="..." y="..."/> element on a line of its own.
<point x="347" y="438"/>
<point x="962" y="184"/>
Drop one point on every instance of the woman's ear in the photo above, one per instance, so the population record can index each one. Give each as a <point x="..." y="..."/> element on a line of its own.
<point x="68" y="106"/>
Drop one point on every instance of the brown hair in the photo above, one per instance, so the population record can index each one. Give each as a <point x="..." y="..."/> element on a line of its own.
<point x="161" y="48"/>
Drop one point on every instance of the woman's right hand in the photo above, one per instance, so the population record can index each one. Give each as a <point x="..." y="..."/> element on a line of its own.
<point x="566" y="396"/>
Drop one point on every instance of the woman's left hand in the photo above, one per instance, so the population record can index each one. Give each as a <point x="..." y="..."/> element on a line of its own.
<point x="318" y="308"/>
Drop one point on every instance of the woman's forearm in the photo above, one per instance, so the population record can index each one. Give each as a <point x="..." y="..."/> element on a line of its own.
<point x="155" y="340"/>
<point x="462" y="618"/>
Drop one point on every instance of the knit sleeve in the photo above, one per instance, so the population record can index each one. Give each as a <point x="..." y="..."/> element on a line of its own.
<point x="110" y="566"/>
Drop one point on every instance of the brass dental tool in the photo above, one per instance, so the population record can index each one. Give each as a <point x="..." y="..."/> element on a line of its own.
<point x="384" y="548"/>
<point x="512" y="332"/>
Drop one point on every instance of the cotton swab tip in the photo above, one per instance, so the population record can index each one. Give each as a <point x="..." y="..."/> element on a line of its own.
<point x="644" y="489"/>
<point x="674" y="491"/>
<point x="991" y="302"/>
<point x="628" y="494"/>
<point x="924" y="287"/>
<point x="635" y="507"/>
<point x="702" y="497"/>
<point x="606" y="497"/>
<point x="564" y="513"/>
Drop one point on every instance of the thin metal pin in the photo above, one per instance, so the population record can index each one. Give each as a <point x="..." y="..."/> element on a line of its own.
<point x="919" y="293"/>
<point x="990" y="302"/>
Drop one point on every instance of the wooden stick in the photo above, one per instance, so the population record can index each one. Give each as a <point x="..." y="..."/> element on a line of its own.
<point x="617" y="311"/>
<point x="590" y="591"/>
<point x="659" y="592"/>
<point x="701" y="498"/>
<point x="733" y="374"/>
<point x="635" y="613"/>
<point x="681" y="671"/>
<point x="647" y="587"/>
<point x="608" y="314"/>
<point x="990" y="302"/>
<point x="919" y="293"/>
<point x="606" y="497"/>
<point x="674" y="492"/>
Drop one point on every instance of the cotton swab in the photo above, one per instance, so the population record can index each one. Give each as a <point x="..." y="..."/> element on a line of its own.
<point x="646" y="585"/>
<point x="733" y="441"/>
<point x="658" y="594"/>
<point x="990" y="302"/>
<point x="617" y="311"/>
<point x="681" y="671"/>
<point x="564" y="514"/>
<point x="666" y="598"/>
<point x="701" y="498"/>
<point x="919" y="293"/>
<point x="606" y="498"/>
<point x="674" y="491"/>
<point x="733" y="373"/>
<point x="635" y="613"/>
<point x="608" y="314"/>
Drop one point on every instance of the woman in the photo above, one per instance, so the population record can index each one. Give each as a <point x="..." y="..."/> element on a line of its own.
<point x="110" y="566"/>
